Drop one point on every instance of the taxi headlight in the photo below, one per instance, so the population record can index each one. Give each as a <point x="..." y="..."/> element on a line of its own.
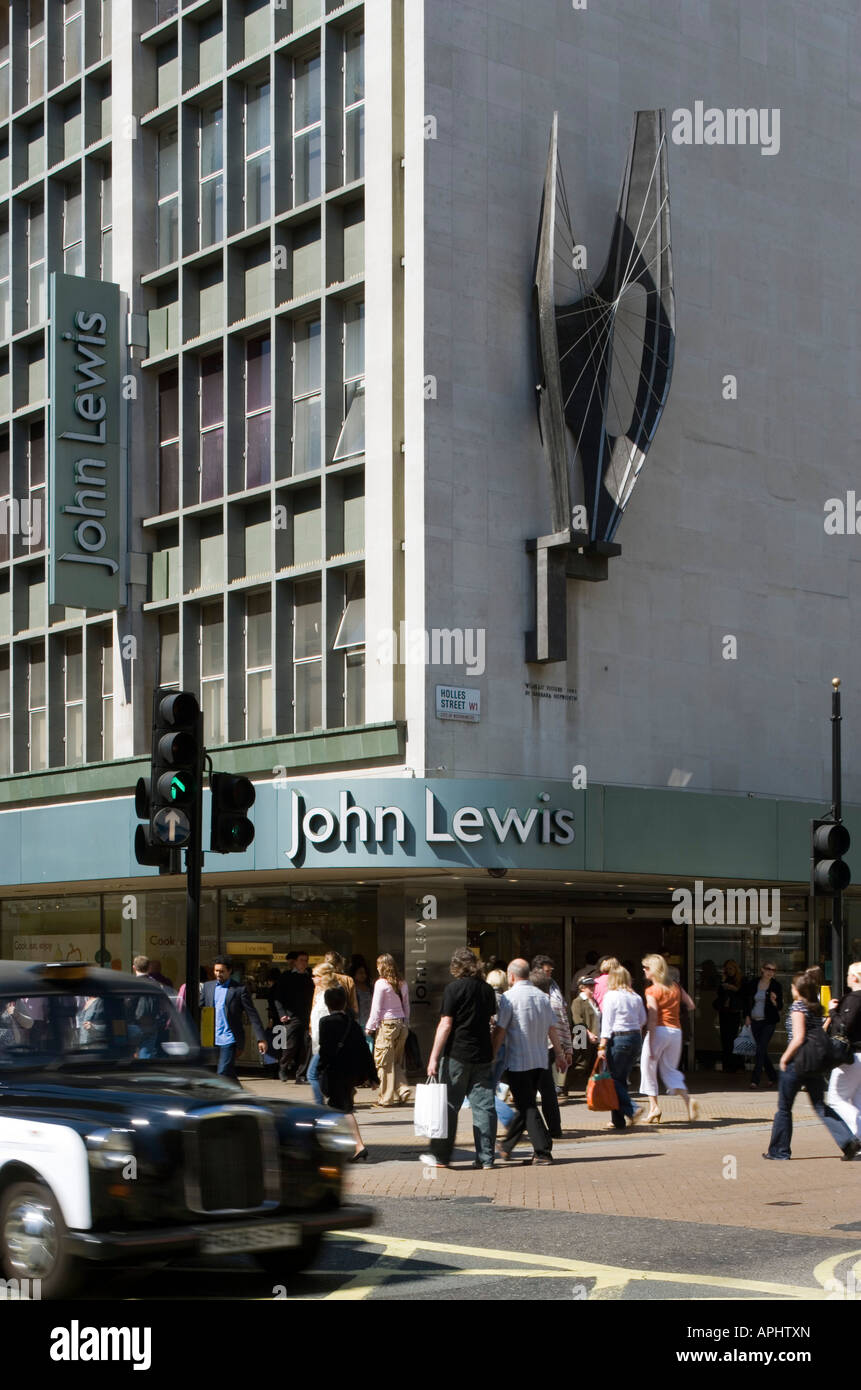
<point x="334" y="1134"/>
<point x="110" y="1148"/>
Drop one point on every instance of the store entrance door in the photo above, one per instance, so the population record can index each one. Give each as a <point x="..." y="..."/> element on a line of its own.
<point x="504" y="940"/>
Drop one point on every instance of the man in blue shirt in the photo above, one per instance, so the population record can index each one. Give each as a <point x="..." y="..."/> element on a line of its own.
<point x="230" y="1000"/>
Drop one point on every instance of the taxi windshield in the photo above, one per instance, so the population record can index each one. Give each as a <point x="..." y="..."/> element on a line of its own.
<point x="106" y="1026"/>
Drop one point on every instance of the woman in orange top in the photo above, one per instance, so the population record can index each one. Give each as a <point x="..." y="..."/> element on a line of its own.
<point x="662" y="1048"/>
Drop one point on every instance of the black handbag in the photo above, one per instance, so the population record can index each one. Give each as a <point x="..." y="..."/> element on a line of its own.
<point x="813" y="1058"/>
<point x="839" y="1044"/>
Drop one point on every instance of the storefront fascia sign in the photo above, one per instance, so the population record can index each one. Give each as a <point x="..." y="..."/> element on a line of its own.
<point x="86" y="486"/>
<point x="419" y="822"/>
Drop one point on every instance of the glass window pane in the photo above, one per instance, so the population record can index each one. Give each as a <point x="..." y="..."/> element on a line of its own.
<point x="306" y="93"/>
<point x="168" y="405"/>
<point x="37" y="453"/>
<point x="354" y="692"/>
<point x="72" y="40"/>
<point x="211" y="465"/>
<point x="36" y="692"/>
<point x="107" y="728"/>
<point x="37" y="301"/>
<point x="168" y="231"/>
<point x="168" y="166"/>
<point x="354" y="340"/>
<point x="107" y="200"/>
<point x="212" y="641"/>
<point x="5" y="746"/>
<point x="308" y="695"/>
<point x="168" y="628"/>
<point x="351" y="629"/>
<point x="354" y="144"/>
<point x="258" y="631"/>
<point x="107" y="255"/>
<point x="168" y="478"/>
<point x="211" y="390"/>
<point x="211" y="211"/>
<point x="5" y="310"/>
<point x="73" y="259"/>
<point x="210" y="141"/>
<point x="212" y="704"/>
<point x="306" y="358"/>
<point x="257" y="190"/>
<point x="257" y="390"/>
<point x="74" y="669"/>
<point x="4" y="686"/>
<point x="38" y="740"/>
<point x="352" y="437"/>
<point x="307" y="620"/>
<point x="257" y="118"/>
<point x="107" y="666"/>
<point x="354" y="68"/>
<point x="72" y="217"/>
<point x="259" y="705"/>
<point x="74" y="734"/>
<point x="306" y="434"/>
<point x="257" y="470"/>
<point x="307" y="167"/>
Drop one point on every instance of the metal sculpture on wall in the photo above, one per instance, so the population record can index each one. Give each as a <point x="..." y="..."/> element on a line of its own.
<point x="605" y="362"/>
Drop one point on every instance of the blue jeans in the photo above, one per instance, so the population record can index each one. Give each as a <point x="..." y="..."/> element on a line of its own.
<point x="788" y="1088"/>
<point x="227" y="1060"/>
<point x="762" y="1033"/>
<point x="623" y="1053"/>
<point x="312" y="1079"/>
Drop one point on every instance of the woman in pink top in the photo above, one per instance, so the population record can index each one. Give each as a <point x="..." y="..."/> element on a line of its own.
<point x="390" y="1015"/>
<point x="607" y="963"/>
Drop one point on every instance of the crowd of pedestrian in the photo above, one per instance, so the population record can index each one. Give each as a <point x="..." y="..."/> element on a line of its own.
<point x="510" y="1046"/>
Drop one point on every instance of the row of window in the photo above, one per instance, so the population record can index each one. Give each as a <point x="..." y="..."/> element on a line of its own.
<point x="306" y="139"/>
<point x="302" y="665"/>
<point x="99" y="231"/>
<point x="70" y="33"/>
<point x="31" y="674"/>
<point x="307" y="388"/>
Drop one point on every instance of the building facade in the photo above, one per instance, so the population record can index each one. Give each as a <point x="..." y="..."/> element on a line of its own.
<point x="321" y="219"/>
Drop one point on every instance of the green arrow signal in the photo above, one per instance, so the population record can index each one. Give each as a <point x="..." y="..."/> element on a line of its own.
<point x="177" y="785"/>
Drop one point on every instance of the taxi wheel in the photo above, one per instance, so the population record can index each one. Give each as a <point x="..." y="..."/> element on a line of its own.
<point x="291" y="1259"/>
<point x="32" y="1246"/>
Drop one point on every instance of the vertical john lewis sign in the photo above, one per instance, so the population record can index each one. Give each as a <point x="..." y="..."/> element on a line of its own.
<point x="85" y="479"/>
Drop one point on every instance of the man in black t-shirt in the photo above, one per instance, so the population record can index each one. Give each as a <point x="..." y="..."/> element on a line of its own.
<point x="463" y="1042"/>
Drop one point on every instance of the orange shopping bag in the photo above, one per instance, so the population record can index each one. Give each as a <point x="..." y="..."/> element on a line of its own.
<point x="601" y="1092"/>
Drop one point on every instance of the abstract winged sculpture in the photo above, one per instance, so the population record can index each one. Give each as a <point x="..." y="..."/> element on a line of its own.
<point x="605" y="362"/>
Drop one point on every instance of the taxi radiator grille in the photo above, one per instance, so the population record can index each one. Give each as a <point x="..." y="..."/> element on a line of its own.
<point x="230" y="1166"/>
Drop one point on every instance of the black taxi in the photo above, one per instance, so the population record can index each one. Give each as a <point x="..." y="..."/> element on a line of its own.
<point x="117" y="1143"/>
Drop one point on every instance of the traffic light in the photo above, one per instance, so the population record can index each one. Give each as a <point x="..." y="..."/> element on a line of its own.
<point x="170" y="797"/>
<point x="231" y="831"/>
<point x="828" y="872"/>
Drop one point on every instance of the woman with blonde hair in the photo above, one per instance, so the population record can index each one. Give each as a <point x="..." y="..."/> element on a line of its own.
<point x="662" y="1048"/>
<point x="623" y="1016"/>
<point x="605" y="965"/>
<point x="389" y="1020"/>
<point x="323" y="976"/>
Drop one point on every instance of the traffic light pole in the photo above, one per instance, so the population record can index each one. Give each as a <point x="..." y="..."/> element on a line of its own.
<point x="193" y="867"/>
<point x="836" y="813"/>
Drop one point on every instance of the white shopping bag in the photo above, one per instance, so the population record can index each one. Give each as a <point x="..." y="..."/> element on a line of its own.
<point x="431" y="1109"/>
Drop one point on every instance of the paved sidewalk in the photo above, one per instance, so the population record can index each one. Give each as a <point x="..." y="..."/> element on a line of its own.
<point x="711" y="1171"/>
